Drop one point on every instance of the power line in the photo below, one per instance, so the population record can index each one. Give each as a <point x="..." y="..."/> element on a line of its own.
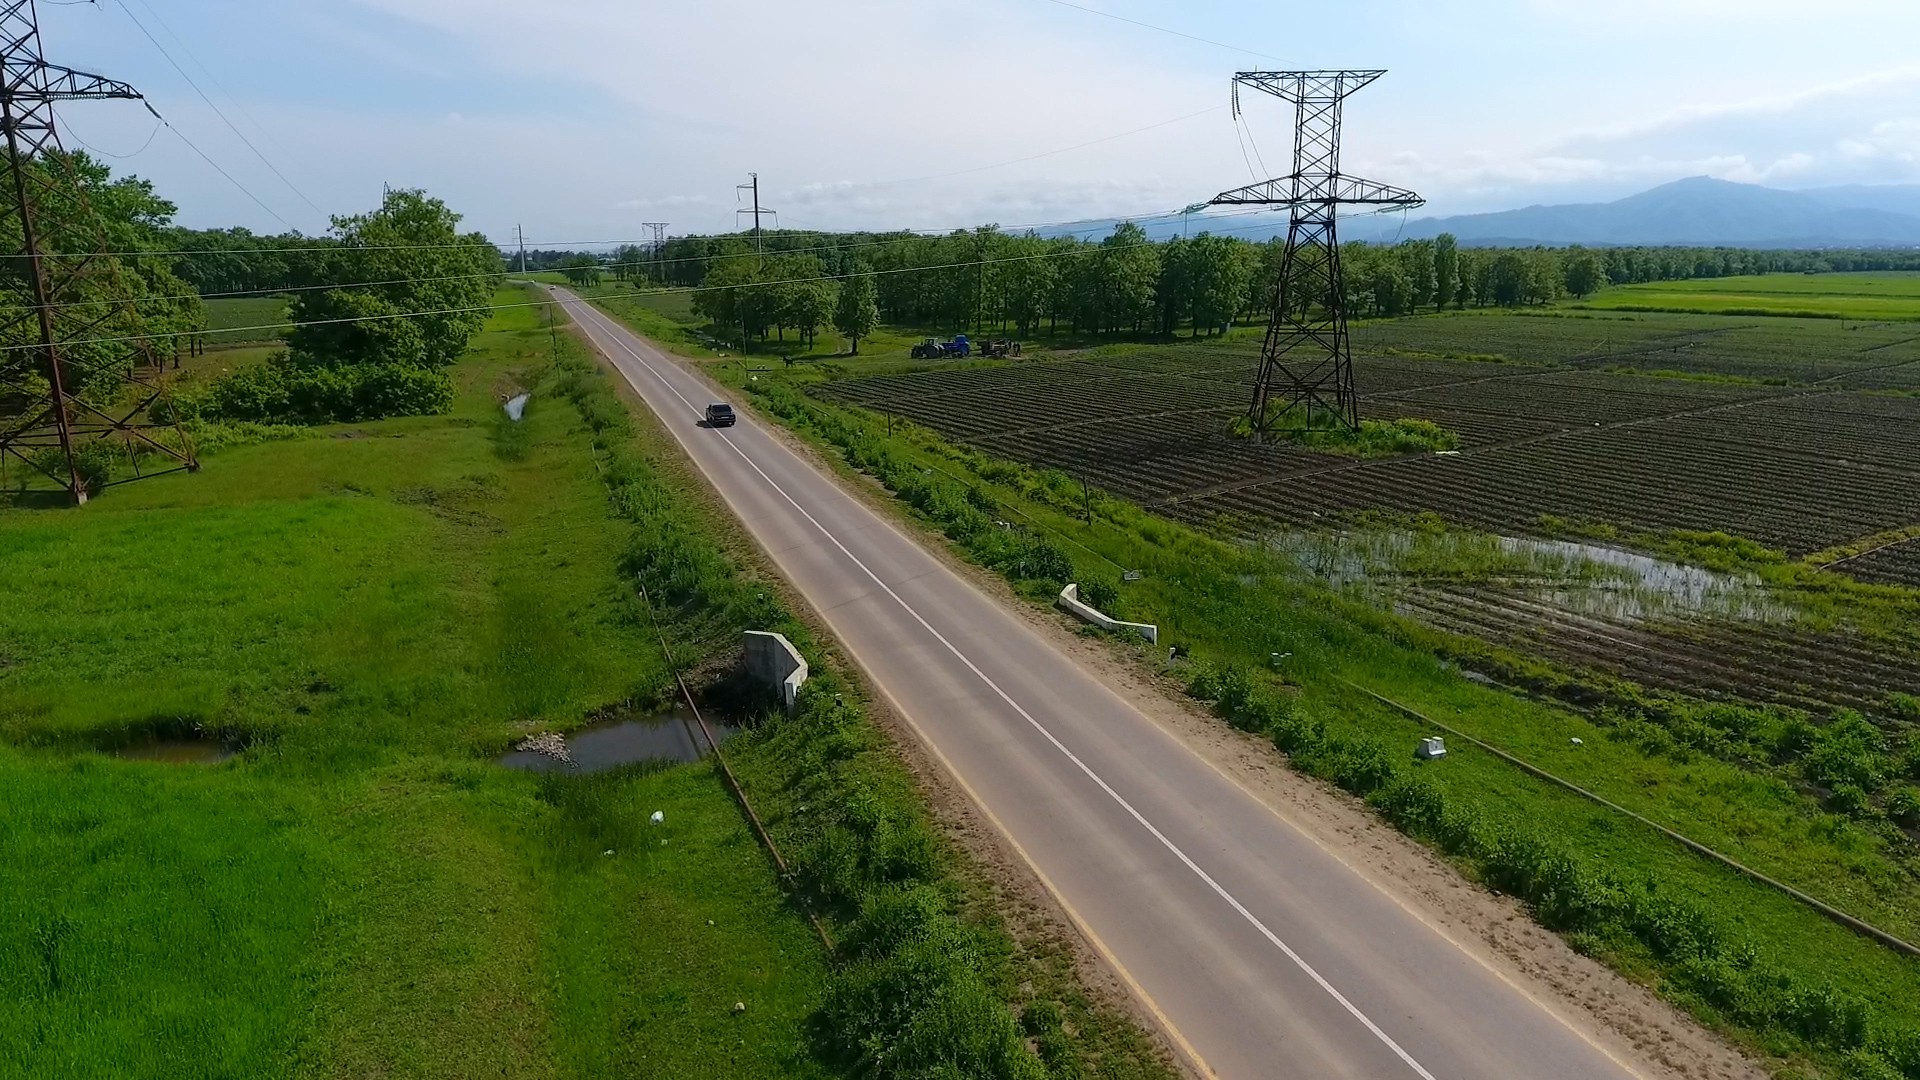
<point x="1069" y="253"/>
<point x="248" y="192"/>
<point x="237" y="101"/>
<point x="922" y="233"/>
<point x="1164" y="30"/>
<point x="231" y="126"/>
<point x="66" y="125"/>
<point x="279" y="290"/>
<point x="649" y="262"/>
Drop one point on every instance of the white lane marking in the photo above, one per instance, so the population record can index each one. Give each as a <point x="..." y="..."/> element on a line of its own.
<point x="1218" y="889"/>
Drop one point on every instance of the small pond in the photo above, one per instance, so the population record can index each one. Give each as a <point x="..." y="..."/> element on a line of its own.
<point x="672" y="736"/>
<point x="1584" y="579"/>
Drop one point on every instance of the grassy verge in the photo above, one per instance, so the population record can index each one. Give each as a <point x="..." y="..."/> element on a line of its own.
<point x="1779" y="978"/>
<point x="370" y="612"/>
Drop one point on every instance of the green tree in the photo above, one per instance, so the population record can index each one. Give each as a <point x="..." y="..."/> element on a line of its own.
<point x="1446" y="270"/>
<point x="81" y="207"/>
<point x="806" y="306"/>
<point x="428" y="293"/>
<point x="1509" y="279"/>
<point x="582" y="270"/>
<point x="1221" y="269"/>
<point x="725" y="296"/>
<point x="1127" y="269"/>
<point x="1417" y="262"/>
<point x="856" y="314"/>
<point x="1583" y="273"/>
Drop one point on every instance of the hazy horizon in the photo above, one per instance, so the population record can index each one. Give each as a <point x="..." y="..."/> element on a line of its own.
<point x="583" y="122"/>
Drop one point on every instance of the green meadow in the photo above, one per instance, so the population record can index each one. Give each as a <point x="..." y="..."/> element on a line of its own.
<point x="366" y="616"/>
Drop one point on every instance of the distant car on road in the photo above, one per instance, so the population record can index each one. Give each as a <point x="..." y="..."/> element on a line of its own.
<point x="720" y="414"/>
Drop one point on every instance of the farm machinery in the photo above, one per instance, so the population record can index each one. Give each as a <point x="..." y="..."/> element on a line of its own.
<point x="935" y="349"/>
<point x="960" y="348"/>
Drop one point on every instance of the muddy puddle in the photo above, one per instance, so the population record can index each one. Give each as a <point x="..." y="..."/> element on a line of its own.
<point x="1577" y="578"/>
<point x="176" y="751"/>
<point x="669" y="737"/>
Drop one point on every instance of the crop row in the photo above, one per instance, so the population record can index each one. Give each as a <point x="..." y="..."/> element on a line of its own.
<point x="1580" y="399"/>
<point x="1896" y="565"/>
<point x="1646" y="478"/>
<point x="1793" y="470"/>
<point x="1787" y="665"/>
<point x="1149" y="462"/>
<point x="1529" y="339"/>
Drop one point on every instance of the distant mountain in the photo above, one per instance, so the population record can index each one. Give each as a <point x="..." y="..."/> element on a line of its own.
<point x="1698" y="210"/>
<point x="1893" y="198"/>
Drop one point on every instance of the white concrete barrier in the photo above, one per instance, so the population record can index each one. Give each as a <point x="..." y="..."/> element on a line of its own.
<point x="1070" y="600"/>
<point x="772" y="661"/>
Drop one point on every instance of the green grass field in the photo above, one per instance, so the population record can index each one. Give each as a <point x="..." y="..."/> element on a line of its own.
<point x="230" y="320"/>
<point x="371" y="613"/>
<point x="1893" y="296"/>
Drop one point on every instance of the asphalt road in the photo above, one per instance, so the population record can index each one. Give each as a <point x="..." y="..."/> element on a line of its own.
<point x="1263" y="954"/>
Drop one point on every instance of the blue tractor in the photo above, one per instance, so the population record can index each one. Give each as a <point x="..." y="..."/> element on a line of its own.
<point x="932" y="349"/>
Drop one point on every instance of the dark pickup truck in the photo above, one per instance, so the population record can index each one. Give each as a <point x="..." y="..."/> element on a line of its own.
<point x="720" y="414"/>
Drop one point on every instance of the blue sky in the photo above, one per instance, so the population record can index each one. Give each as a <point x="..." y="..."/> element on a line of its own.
<point x="581" y="119"/>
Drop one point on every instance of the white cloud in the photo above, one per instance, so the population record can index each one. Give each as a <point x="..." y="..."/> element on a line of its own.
<point x="860" y="113"/>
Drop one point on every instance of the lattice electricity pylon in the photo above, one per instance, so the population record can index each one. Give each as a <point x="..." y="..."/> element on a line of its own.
<point x="1306" y="362"/>
<point x="76" y="366"/>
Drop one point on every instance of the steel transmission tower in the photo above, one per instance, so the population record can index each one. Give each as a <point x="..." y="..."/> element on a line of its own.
<point x="659" y="230"/>
<point x="1306" y="362"/>
<point x="75" y="365"/>
<point x="754" y="185"/>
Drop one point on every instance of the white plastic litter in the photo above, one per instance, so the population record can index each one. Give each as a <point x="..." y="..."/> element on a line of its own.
<point x="659" y="817"/>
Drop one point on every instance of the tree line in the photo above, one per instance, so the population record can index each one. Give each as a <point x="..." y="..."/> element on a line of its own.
<point x="987" y="280"/>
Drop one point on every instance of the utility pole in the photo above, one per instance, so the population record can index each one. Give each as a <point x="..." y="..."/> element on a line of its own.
<point x="521" y="237"/>
<point x="753" y="184"/>
<point x="1306" y="362"/>
<point x="57" y="403"/>
<point x="659" y="229"/>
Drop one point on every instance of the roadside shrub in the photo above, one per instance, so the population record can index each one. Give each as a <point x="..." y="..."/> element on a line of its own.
<point x="1411" y="804"/>
<point x="1849" y="799"/>
<point x="280" y="392"/>
<point x="1795" y="739"/>
<point x="1903" y="706"/>
<point x="922" y="1010"/>
<point x="95" y="461"/>
<point x="1850" y="751"/>
<point x="1903" y="806"/>
<point x="1100" y="592"/>
<point x="894" y="916"/>
<point x="1901" y="1049"/>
